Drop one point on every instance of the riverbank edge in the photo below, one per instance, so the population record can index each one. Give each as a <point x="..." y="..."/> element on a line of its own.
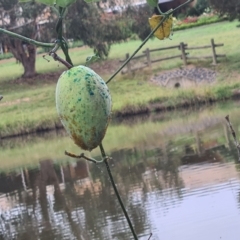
<point x="129" y="111"/>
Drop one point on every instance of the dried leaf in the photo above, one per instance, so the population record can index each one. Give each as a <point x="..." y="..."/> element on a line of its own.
<point x="165" y="29"/>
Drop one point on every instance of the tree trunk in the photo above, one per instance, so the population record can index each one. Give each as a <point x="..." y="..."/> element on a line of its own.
<point x="26" y="54"/>
<point x="25" y="20"/>
<point x="23" y="52"/>
<point x="29" y="62"/>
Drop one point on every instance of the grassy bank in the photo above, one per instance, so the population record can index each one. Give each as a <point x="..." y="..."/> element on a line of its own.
<point x="152" y="133"/>
<point x="29" y="106"/>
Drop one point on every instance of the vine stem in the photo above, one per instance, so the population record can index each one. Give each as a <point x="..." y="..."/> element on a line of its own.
<point x="147" y="38"/>
<point x="105" y="160"/>
<point x="234" y="135"/>
<point x="29" y="40"/>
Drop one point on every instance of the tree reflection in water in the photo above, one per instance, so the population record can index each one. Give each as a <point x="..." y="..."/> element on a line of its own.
<point x="72" y="201"/>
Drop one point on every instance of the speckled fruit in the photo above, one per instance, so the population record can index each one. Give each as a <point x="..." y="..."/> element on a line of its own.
<point x="84" y="106"/>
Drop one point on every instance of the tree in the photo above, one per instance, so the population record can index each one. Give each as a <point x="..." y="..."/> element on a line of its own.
<point x="229" y="7"/>
<point x="24" y="19"/>
<point x="89" y="23"/>
<point x="140" y="16"/>
<point x="83" y="21"/>
<point x="199" y="8"/>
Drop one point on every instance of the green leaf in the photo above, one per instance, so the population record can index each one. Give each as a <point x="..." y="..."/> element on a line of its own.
<point x="152" y="3"/>
<point x="91" y="1"/>
<point x="92" y="58"/>
<point x="60" y="3"/>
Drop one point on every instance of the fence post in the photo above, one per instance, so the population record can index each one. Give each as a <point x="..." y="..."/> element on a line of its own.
<point x="129" y="64"/>
<point x="184" y="58"/>
<point x="147" y="52"/>
<point x="213" y="52"/>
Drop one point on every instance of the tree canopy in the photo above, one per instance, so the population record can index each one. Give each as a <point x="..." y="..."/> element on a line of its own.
<point x="30" y="20"/>
<point x="85" y="22"/>
<point x="95" y="28"/>
<point x="230" y="7"/>
<point x="200" y="7"/>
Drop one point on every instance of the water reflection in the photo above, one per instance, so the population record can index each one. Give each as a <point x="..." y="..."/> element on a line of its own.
<point x="178" y="182"/>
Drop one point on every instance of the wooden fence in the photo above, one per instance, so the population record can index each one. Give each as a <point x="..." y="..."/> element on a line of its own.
<point x="182" y="47"/>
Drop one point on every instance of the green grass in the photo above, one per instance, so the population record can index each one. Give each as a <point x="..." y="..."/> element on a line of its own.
<point x="30" y="106"/>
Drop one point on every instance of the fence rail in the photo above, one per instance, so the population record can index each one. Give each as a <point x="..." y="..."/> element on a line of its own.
<point x="182" y="47"/>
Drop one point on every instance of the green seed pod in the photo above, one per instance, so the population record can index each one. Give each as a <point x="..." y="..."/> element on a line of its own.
<point x="84" y="106"/>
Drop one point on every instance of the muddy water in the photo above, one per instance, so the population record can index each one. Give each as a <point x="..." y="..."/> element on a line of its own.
<point x="177" y="172"/>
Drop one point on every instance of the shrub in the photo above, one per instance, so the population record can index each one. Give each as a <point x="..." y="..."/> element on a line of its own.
<point x="6" y="56"/>
<point x="200" y="7"/>
<point x="203" y="20"/>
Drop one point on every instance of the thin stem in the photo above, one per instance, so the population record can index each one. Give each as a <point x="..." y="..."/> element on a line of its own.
<point x="232" y="130"/>
<point x="82" y="156"/>
<point x="116" y="191"/>
<point x="234" y="135"/>
<point x="166" y="13"/>
<point x="150" y="236"/>
<point x="29" y="40"/>
<point x="147" y="38"/>
<point x="56" y="47"/>
<point x="137" y="50"/>
<point x="62" y="41"/>
<point x="57" y="58"/>
<point x="158" y="8"/>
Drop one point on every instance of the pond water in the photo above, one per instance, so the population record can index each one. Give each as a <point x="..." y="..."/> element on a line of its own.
<point x="177" y="172"/>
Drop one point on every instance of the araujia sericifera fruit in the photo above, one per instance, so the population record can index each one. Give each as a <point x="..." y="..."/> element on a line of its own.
<point x="84" y="105"/>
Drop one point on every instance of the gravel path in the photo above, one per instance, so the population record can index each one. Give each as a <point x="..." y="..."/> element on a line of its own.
<point x="182" y="76"/>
